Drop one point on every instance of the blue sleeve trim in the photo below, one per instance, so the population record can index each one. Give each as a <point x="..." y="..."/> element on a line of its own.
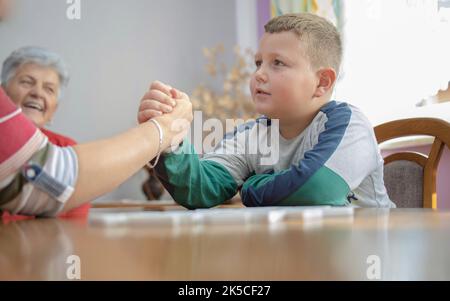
<point x="247" y="126"/>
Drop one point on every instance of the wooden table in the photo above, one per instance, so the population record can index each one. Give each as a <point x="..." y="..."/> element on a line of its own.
<point x="231" y="244"/>
<point x="131" y="205"/>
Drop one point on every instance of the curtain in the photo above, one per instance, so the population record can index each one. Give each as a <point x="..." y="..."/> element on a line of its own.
<point x="330" y="9"/>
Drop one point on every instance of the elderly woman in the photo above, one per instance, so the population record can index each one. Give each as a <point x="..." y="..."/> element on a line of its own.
<point x="34" y="79"/>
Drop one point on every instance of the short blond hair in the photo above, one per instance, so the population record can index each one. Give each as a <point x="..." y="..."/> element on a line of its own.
<point x="322" y="41"/>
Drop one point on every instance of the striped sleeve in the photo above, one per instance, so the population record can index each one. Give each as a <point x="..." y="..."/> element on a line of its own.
<point x="36" y="178"/>
<point x="19" y="138"/>
<point x="312" y="181"/>
<point x="44" y="185"/>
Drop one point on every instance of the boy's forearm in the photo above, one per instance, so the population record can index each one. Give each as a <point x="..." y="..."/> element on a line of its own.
<point x="324" y="187"/>
<point x="195" y="183"/>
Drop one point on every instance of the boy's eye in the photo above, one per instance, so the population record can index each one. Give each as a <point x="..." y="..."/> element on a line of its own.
<point x="278" y="63"/>
<point x="258" y="64"/>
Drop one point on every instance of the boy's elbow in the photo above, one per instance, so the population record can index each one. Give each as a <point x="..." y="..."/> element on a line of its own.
<point x="192" y="202"/>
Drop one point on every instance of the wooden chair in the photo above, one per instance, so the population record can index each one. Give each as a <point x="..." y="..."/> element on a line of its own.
<point x="413" y="166"/>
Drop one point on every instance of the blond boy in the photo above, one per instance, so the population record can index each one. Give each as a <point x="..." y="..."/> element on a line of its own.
<point x="327" y="151"/>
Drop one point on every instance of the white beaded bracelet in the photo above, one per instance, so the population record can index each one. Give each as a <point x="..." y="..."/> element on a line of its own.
<point x="161" y="137"/>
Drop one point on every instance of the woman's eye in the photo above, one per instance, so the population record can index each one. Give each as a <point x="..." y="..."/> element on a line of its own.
<point x="26" y="82"/>
<point x="258" y="64"/>
<point x="50" y="90"/>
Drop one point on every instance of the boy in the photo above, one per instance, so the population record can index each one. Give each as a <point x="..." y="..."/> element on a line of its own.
<point x="328" y="154"/>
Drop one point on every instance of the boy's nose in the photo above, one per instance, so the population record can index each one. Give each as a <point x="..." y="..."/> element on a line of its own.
<point x="261" y="75"/>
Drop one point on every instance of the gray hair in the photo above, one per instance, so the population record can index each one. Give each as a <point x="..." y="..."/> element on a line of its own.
<point x="38" y="56"/>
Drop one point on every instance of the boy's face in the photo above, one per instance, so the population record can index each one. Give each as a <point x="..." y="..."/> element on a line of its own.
<point x="284" y="83"/>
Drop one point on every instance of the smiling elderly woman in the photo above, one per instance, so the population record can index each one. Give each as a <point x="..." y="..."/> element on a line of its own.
<point x="34" y="79"/>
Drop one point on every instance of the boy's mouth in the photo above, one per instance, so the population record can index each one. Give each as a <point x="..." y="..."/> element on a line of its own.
<point x="262" y="92"/>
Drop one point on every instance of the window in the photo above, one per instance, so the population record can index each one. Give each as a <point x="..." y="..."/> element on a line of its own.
<point x="396" y="58"/>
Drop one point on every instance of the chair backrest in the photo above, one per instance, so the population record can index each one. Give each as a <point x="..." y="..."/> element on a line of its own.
<point x="410" y="177"/>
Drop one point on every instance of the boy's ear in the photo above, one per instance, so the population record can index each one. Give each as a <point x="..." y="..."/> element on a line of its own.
<point x="327" y="78"/>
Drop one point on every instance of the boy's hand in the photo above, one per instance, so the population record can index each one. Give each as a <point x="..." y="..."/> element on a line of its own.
<point x="171" y="108"/>
<point x="160" y="99"/>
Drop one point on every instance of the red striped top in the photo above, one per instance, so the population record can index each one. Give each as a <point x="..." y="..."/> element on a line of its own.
<point x="19" y="137"/>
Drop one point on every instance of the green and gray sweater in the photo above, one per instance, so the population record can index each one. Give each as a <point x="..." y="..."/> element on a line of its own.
<point x="334" y="161"/>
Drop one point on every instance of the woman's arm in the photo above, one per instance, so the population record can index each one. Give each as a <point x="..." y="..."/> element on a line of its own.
<point x="104" y="165"/>
<point x="50" y="179"/>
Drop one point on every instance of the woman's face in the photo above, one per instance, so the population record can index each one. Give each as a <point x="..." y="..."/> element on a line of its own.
<point x="35" y="89"/>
